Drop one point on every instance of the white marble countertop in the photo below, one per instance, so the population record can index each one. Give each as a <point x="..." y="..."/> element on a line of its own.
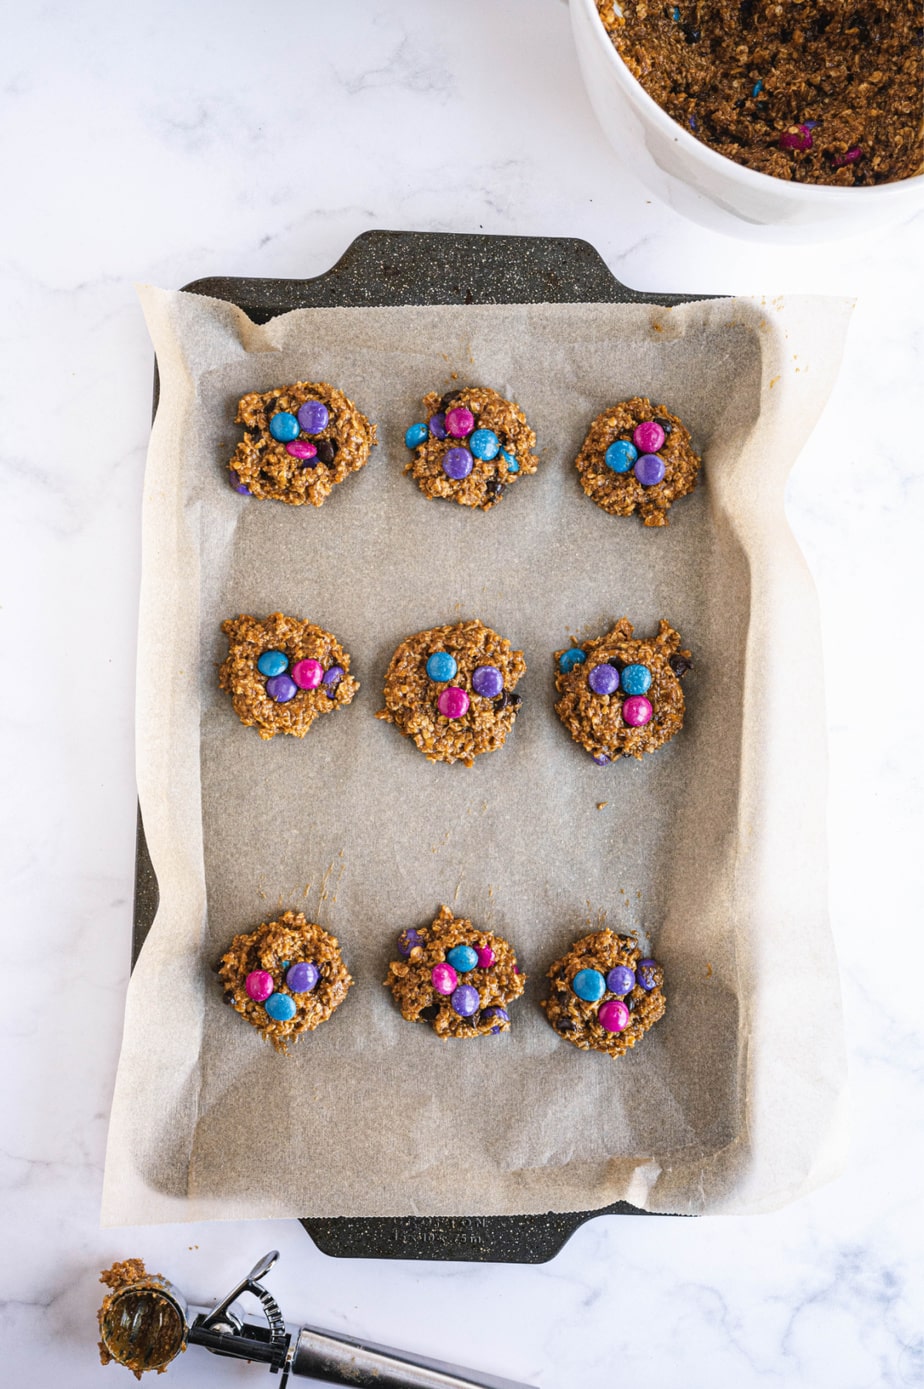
<point x="172" y="142"/>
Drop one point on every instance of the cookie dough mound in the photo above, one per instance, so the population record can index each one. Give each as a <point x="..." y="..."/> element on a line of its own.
<point x="457" y="978"/>
<point x="471" y="445"/>
<point x="451" y="689"/>
<point x="621" y="697"/>
<point x="282" y="673"/>
<point x="285" y="978"/>
<point x="299" y="442"/>
<point x="603" y="995"/>
<point x="637" y="456"/>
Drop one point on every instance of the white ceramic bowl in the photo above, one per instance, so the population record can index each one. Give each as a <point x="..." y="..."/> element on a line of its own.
<point x="704" y="185"/>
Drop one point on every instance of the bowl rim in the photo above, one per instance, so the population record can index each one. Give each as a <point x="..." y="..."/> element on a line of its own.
<point x="720" y="163"/>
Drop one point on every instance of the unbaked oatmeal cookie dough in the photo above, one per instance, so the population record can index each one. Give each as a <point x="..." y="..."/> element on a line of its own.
<point x="637" y="456"/>
<point x="620" y="694"/>
<point x="460" y="979"/>
<point x="283" y="673"/>
<point x="452" y="691"/>
<point x="299" y="442"/>
<point x="286" y="977"/>
<point x="470" y="447"/>
<point x="811" y="91"/>
<point x="603" y="994"/>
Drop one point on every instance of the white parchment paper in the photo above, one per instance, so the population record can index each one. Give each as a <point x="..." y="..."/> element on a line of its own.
<point x="713" y="849"/>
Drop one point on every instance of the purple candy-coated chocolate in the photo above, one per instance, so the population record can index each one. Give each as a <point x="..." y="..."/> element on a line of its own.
<point x="500" y="1013"/>
<point x="444" y="978"/>
<point x="301" y="978"/>
<point x="457" y="463"/>
<point x="649" y="469"/>
<point x="281" y="688"/>
<point x="602" y="760"/>
<point x="604" y="679"/>
<point x="453" y="702"/>
<point x="485" y="956"/>
<point x="259" y="985"/>
<point x="333" y="676"/>
<point x="408" y="941"/>
<point x="648" y="436"/>
<point x="307" y="674"/>
<point x="644" y="974"/>
<point x="613" y="1015"/>
<point x="487" y="681"/>
<point x="300" y="448"/>
<point x="637" y="711"/>
<point x="459" y="422"/>
<point x="313" y="417"/>
<point x="238" y="485"/>
<point x="465" y="1000"/>
<point x="620" y="980"/>
<point x="438" y="426"/>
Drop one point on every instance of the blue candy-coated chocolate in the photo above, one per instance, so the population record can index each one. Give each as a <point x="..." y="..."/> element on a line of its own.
<point x="484" y="444"/>
<point x="457" y="463"/>
<point x="757" y="87"/>
<point x="512" y="464"/>
<point x="280" y="1007"/>
<point x="273" y="663"/>
<point x="437" y="425"/>
<point x="284" y="427"/>
<point x="604" y="679"/>
<point x="281" y="688"/>
<point x="572" y="658"/>
<point x="301" y="978"/>
<point x="620" y="980"/>
<point x="487" y="681"/>
<point x="645" y="974"/>
<point x="462" y="958"/>
<point x="415" y="435"/>
<point x="408" y="941"/>
<point x="635" y="680"/>
<point x="465" y="1000"/>
<point x="620" y="456"/>
<point x="441" y="666"/>
<point x="589" y="985"/>
<point x="313" y="416"/>
<point x="650" y="469"/>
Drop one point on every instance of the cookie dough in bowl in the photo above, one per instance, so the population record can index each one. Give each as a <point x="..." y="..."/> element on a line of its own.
<point x="283" y="673"/>
<point x="604" y="994"/>
<point x="286" y="977"/>
<point x="470" y="447"/>
<point x="452" y="690"/>
<point x="299" y="442"/>
<point x="637" y="456"/>
<point x="621" y="694"/>
<point x="460" y="979"/>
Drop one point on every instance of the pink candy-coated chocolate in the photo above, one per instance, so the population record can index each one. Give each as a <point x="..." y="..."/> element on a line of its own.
<point x="637" y="711"/>
<point x="800" y="139"/>
<point x="614" y="1015"/>
<point x="307" y="674"/>
<point x="300" y="448"/>
<point x="648" y="437"/>
<point x="444" y="978"/>
<point x="851" y="157"/>
<point x="485" y="956"/>
<point x="259" y="985"/>
<point x="453" y="702"/>
<point x="459" y="422"/>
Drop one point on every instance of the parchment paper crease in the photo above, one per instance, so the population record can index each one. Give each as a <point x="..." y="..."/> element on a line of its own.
<point x="713" y="849"/>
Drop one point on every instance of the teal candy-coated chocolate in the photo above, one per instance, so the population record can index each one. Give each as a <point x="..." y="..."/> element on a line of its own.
<point x="284" y="427"/>
<point x="589" y="984"/>
<point x="572" y="658"/>
<point x="635" y="680"/>
<point x="441" y="666"/>
<point x="620" y="456"/>
<point x="484" y="444"/>
<point x="280" y="1007"/>
<point x="273" y="663"/>
<point x="416" y="435"/>
<point x="462" y="958"/>
<point x="512" y="464"/>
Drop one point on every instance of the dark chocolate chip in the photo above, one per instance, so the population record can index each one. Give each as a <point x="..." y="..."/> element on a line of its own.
<point x="690" y="34"/>
<point x="515" y="699"/>
<point x="563" y="1025"/>
<point x="500" y="704"/>
<point x="665" y="425"/>
<point x="430" y="1013"/>
<point x="562" y="998"/>
<point x="680" y="665"/>
<point x="446" y="402"/>
<point x="617" y="664"/>
<point x="227" y="998"/>
<point x="327" y="450"/>
<point x="494" y="488"/>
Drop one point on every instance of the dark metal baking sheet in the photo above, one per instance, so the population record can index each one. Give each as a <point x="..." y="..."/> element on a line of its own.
<point x="389" y="268"/>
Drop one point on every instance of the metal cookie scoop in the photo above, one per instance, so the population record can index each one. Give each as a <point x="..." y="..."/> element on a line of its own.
<point x="145" y="1322"/>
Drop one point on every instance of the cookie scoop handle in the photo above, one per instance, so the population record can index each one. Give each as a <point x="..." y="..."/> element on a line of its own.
<point x="342" y="1360"/>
